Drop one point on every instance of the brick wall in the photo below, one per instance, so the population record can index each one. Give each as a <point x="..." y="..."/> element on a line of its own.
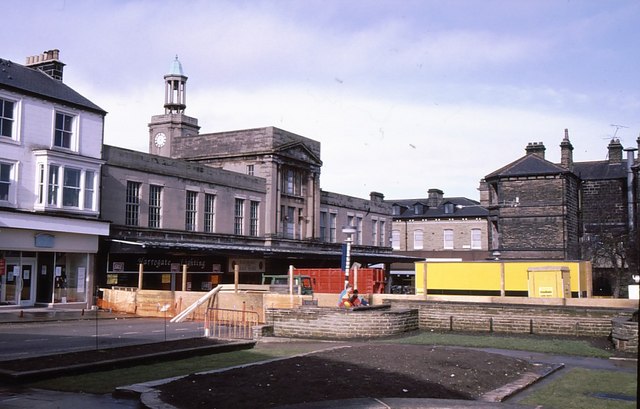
<point x="333" y="323"/>
<point x="511" y="318"/>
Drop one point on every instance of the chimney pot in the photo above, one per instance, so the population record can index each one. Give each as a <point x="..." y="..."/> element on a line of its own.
<point x="566" y="151"/>
<point x="615" y="151"/>
<point x="47" y="62"/>
<point x="535" y="148"/>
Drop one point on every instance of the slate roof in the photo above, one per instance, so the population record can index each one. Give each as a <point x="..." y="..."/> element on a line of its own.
<point x="530" y="165"/>
<point x="16" y="77"/>
<point x="526" y="166"/>
<point x="463" y="207"/>
<point x="600" y="170"/>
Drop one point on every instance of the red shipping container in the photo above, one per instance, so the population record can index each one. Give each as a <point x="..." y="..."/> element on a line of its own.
<point x="331" y="280"/>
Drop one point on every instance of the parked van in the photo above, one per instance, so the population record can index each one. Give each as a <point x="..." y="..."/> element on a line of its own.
<point x="280" y="283"/>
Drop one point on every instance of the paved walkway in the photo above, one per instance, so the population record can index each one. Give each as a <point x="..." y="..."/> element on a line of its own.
<point x="18" y="398"/>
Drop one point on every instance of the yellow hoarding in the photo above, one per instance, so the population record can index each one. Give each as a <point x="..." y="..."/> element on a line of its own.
<point x="502" y="278"/>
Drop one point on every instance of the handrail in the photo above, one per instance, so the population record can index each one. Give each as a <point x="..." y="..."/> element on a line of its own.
<point x="180" y="317"/>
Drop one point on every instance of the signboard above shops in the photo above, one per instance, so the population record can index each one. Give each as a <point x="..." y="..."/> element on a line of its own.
<point x="162" y="263"/>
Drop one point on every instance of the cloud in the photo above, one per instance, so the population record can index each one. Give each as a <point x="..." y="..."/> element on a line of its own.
<point x="433" y="95"/>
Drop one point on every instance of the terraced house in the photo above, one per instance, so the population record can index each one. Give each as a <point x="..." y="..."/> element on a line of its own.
<point x="50" y="164"/>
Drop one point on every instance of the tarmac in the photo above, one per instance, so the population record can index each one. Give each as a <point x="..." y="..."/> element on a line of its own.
<point x="144" y="395"/>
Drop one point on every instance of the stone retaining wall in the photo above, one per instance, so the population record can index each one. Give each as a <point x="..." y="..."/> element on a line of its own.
<point x="512" y="318"/>
<point x="625" y="334"/>
<point x="333" y="323"/>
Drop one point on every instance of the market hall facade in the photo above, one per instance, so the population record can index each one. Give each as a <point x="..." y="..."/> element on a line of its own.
<point x="204" y="203"/>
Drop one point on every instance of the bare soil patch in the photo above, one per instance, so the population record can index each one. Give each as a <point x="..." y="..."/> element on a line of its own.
<point x="359" y="371"/>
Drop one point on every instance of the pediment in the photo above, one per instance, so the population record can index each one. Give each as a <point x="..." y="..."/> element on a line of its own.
<point x="299" y="152"/>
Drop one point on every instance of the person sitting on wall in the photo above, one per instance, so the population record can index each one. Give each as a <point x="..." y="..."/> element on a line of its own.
<point x="358" y="301"/>
<point x="344" y="299"/>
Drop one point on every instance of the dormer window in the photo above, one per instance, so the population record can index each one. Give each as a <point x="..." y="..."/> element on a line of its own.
<point x="418" y="208"/>
<point x="449" y="208"/>
<point x="396" y="210"/>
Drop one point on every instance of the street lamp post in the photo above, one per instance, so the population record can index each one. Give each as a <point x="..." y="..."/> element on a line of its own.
<point x="349" y="231"/>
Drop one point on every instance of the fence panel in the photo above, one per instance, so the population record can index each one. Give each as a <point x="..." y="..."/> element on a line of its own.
<point x="231" y="324"/>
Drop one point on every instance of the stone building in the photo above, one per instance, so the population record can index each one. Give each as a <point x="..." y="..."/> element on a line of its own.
<point x="437" y="227"/>
<point x="248" y="197"/>
<point x="567" y="211"/>
<point x="50" y="164"/>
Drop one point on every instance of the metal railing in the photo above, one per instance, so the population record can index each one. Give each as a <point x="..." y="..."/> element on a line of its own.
<point x="230" y="324"/>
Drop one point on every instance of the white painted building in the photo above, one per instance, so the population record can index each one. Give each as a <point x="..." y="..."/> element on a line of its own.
<point x="50" y="162"/>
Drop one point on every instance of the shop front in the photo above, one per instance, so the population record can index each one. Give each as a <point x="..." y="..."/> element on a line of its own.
<point x="48" y="267"/>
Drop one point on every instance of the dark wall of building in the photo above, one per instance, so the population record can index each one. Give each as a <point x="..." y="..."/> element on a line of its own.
<point x="543" y="223"/>
<point x="604" y="204"/>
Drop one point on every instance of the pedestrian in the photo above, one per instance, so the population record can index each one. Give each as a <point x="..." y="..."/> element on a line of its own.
<point x="345" y="297"/>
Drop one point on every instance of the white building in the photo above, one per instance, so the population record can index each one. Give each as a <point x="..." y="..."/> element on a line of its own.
<point x="50" y="162"/>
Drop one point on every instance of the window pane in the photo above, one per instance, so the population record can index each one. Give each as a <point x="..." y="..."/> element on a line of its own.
<point x="155" y="210"/>
<point x="476" y="239"/>
<point x="52" y="198"/>
<point x="71" y="188"/>
<point x="62" y="137"/>
<point x="254" y="218"/>
<point x="132" y="206"/>
<point x="448" y="239"/>
<point x="209" y="212"/>
<point x="333" y="219"/>
<point x="6" y="118"/>
<point x="190" y="214"/>
<point x="323" y="226"/>
<point x="239" y="217"/>
<point x="5" y="180"/>
<point x="89" y="189"/>
<point x="374" y="232"/>
<point x="418" y="240"/>
<point x="41" y="182"/>
<point x="395" y="239"/>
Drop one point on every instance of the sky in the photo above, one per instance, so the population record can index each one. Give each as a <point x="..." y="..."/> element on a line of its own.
<point x="404" y="96"/>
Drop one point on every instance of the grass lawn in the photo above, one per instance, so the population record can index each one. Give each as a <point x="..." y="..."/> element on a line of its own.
<point x="532" y="343"/>
<point x="106" y="381"/>
<point x="579" y="388"/>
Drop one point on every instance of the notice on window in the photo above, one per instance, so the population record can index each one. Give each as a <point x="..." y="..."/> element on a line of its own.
<point x="81" y="278"/>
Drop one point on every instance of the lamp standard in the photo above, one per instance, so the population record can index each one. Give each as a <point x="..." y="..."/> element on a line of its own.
<point x="348" y="231"/>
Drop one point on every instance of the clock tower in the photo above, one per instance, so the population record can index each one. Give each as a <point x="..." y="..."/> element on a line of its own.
<point x="173" y="124"/>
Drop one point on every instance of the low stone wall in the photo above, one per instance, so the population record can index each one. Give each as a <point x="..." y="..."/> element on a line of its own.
<point x="512" y="318"/>
<point x="624" y="334"/>
<point x="336" y="323"/>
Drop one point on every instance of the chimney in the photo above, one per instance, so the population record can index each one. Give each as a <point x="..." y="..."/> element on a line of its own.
<point x="376" y="197"/>
<point x="483" y="188"/>
<point x="615" y="151"/>
<point x="566" y="151"/>
<point x="48" y="63"/>
<point x="536" y="148"/>
<point x="436" y="197"/>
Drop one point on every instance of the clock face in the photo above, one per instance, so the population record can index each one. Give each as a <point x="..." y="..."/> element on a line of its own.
<point x="160" y="139"/>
